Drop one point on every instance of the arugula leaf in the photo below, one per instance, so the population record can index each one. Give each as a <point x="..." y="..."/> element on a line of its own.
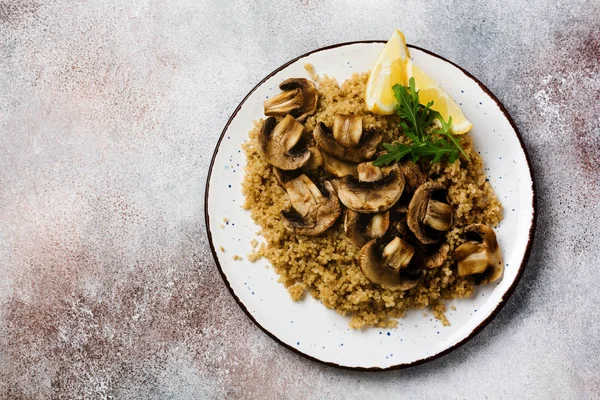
<point x="415" y="118"/>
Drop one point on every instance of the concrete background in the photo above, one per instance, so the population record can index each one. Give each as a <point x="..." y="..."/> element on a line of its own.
<point x="109" y="112"/>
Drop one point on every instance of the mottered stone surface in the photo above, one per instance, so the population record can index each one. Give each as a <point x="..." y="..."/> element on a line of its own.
<point x="109" y="114"/>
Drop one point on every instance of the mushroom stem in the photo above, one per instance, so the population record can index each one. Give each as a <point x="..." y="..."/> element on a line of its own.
<point x="304" y="195"/>
<point x="398" y="254"/>
<point x="481" y="256"/>
<point x="378" y="225"/>
<point x="438" y="215"/>
<point x="473" y="257"/>
<point x="283" y="103"/>
<point x="367" y="172"/>
<point x="337" y="167"/>
<point x="347" y="129"/>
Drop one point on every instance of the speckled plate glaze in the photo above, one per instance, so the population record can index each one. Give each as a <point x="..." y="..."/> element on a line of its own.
<point x="307" y="326"/>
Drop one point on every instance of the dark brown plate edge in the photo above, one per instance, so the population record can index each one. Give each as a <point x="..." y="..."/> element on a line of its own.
<point x="475" y="331"/>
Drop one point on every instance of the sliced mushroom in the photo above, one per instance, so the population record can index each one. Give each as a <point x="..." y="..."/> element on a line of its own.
<point x="480" y="255"/>
<point x="429" y="214"/>
<point x="284" y="103"/>
<point x="438" y="215"/>
<point x="398" y="254"/>
<point x="375" y="196"/>
<point x="336" y="185"/>
<point x="413" y="175"/>
<point x="378" y="225"/>
<point x="367" y="172"/>
<point x="376" y="266"/>
<point x="403" y="229"/>
<point x="363" y="151"/>
<point x="361" y="228"/>
<point x="313" y="211"/>
<point x="299" y="99"/>
<point x="284" y="177"/>
<point x="435" y="257"/>
<point x="315" y="161"/>
<point x="347" y="129"/>
<point x="426" y="256"/>
<point x="337" y="167"/>
<point x="277" y="142"/>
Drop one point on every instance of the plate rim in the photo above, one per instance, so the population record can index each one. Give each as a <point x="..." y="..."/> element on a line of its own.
<point x="505" y="296"/>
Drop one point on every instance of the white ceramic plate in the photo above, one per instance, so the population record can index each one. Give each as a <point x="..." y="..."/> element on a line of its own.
<point x="308" y="327"/>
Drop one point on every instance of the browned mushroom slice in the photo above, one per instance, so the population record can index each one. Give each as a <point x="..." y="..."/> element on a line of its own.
<point x="361" y="228"/>
<point x="426" y="256"/>
<point x="309" y="91"/>
<point x="480" y="255"/>
<point x="284" y="177"/>
<point x="315" y="161"/>
<point x="398" y="254"/>
<point x="337" y="167"/>
<point x="277" y="142"/>
<point x="299" y="99"/>
<point x="367" y="172"/>
<point x="363" y="151"/>
<point x="378" y="225"/>
<point x="413" y="175"/>
<point x="284" y="103"/>
<point x="435" y="258"/>
<point x="313" y="211"/>
<point x="429" y="214"/>
<point x="376" y="267"/>
<point x="347" y="129"/>
<point x="375" y="196"/>
<point x="336" y="185"/>
<point x="438" y="215"/>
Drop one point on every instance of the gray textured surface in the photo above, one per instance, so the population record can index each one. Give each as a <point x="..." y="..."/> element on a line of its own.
<point x="109" y="112"/>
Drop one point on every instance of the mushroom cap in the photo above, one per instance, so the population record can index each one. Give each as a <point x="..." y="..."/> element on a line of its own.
<point x="418" y="215"/>
<point x="365" y="150"/>
<point x="337" y="167"/>
<point x="370" y="197"/>
<point x="309" y="93"/>
<point x="283" y="176"/>
<point x="277" y="142"/>
<point x="360" y="228"/>
<point x="413" y="175"/>
<point x="436" y="258"/>
<point x="313" y="211"/>
<point x="480" y="254"/>
<point x="374" y="267"/>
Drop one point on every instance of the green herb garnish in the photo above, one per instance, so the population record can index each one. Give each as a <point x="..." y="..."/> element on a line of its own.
<point x="415" y="119"/>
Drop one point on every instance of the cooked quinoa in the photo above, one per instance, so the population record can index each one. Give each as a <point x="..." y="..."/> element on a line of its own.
<point x="326" y="266"/>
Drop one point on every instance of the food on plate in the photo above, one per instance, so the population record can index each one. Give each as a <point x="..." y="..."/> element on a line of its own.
<point x="298" y="99"/>
<point x="372" y="212"/>
<point x="480" y="255"/>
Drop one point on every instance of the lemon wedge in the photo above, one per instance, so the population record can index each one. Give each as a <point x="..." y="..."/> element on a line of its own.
<point x="389" y="70"/>
<point x="429" y="90"/>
